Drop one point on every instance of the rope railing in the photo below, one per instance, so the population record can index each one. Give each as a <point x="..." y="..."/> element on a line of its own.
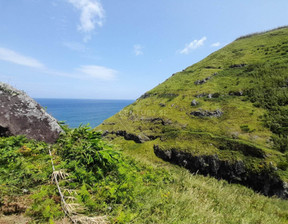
<point x="69" y="209"/>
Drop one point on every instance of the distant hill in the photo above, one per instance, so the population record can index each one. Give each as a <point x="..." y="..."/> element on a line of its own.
<point x="225" y="116"/>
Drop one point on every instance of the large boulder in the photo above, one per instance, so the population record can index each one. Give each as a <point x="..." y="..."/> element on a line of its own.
<point x="21" y="115"/>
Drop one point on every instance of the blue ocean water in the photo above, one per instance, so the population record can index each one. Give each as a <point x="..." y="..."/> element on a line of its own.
<point x="77" y="111"/>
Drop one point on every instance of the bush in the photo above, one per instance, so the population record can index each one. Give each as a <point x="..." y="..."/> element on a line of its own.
<point x="271" y="94"/>
<point x="101" y="180"/>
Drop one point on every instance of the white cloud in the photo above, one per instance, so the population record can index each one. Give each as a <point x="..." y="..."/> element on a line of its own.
<point x="138" y="49"/>
<point x="75" y="46"/>
<point x="97" y="72"/>
<point x="193" y="45"/>
<point x="83" y="72"/>
<point x="16" y="58"/>
<point x="217" y="44"/>
<point x="92" y="15"/>
<point x="87" y="72"/>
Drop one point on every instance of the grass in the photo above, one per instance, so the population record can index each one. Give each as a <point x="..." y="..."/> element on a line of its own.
<point x="255" y="66"/>
<point x="140" y="190"/>
<point x="197" y="199"/>
<point x="125" y="182"/>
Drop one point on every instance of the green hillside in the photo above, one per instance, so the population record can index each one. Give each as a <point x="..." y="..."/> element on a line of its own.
<point x="225" y="116"/>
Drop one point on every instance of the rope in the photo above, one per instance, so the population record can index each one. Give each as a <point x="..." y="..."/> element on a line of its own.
<point x="63" y="204"/>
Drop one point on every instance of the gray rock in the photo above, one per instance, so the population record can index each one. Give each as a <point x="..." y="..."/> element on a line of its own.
<point x="105" y="133"/>
<point x="145" y="95"/>
<point x="266" y="182"/>
<point x="208" y="95"/>
<point x="206" y="113"/>
<point x="200" y="82"/>
<point x="194" y="103"/>
<point x="143" y="138"/>
<point x="157" y="120"/>
<point x="236" y="93"/>
<point x="237" y="66"/>
<point x="201" y="95"/>
<point x="21" y="115"/>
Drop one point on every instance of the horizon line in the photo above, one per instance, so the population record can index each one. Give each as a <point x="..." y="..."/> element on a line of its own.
<point x="52" y="98"/>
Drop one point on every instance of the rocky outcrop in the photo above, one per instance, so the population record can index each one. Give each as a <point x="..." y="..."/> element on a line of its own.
<point x="202" y="95"/>
<point x="237" y="66"/>
<point x="156" y="120"/>
<point x="21" y="115"/>
<point x="236" y="93"/>
<point x="208" y="95"/>
<point x="206" y="113"/>
<point x="145" y="95"/>
<point x="141" y="138"/>
<point x="194" y="103"/>
<point x="200" y="82"/>
<point x="159" y="95"/>
<point x="265" y="181"/>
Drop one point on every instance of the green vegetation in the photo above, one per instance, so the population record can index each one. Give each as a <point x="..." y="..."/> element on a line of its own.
<point x="97" y="178"/>
<point x="246" y="82"/>
<point x="100" y="181"/>
<point x="239" y="114"/>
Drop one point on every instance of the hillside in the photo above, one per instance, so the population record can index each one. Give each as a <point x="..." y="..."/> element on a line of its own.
<point x="100" y="185"/>
<point x="225" y="116"/>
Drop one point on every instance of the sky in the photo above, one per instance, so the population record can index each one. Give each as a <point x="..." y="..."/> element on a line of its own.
<point x="118" y="49"/>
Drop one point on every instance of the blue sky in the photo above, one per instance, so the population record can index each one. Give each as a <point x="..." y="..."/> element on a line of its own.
<point x="118" y="49"/>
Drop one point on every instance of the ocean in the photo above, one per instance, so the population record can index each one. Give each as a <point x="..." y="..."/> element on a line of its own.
<point x="76" y="112"/>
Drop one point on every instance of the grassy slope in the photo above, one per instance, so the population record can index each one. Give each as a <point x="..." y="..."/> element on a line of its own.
<point x="264" y="53"/>
<point x="155" y="191"/>
<point x="127" y="193"/>
<point x="265" y="59"/>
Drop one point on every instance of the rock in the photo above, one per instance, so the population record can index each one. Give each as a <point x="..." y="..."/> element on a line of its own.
<point x="194" y="103"/>
<point x="201" y="95"/>
<point x="237" y="66"/>
<point x="145" y="95"/>
<point x="21" y="115"/>
<point x="128" y="136"/>
<point x="215" y="95"/>
<point x="141" y="138"/>
<point x="208" y="95"/>
<point x="199" y="82"/>
<point x="206" y="113"/>
<point x="266" y="181"/>
<point x="157" y="120"/>
<point x="210" y="67"/>
<point x="108" y="123"/>
<point x="236" y="93"/>
<point x="105" y="133"/>
<point x="162" y="105"/>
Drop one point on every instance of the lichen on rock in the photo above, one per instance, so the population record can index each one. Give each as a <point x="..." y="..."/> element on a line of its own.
<point x="21" y="115"/>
